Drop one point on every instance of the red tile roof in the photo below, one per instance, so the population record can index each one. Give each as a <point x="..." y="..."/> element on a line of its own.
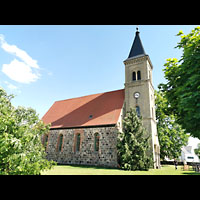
<point x="92" y="110"/>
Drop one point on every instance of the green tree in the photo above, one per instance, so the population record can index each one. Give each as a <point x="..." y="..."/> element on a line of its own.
<point x="20" y="139"/>
<point x="133" y="144"/>
<point x="182" y="89"/>
<point x="172" y="137"/>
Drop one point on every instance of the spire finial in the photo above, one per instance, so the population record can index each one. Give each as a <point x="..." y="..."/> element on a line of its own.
<point x="137" y="28"/>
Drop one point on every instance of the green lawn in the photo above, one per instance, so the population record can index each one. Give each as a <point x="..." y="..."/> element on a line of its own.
<point x="83" y="170"/>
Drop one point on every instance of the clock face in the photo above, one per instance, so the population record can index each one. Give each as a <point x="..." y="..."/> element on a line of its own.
<point x="137" y="95"/>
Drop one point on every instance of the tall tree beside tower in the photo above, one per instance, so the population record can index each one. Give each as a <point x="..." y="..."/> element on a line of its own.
<point x="133" y="144"/>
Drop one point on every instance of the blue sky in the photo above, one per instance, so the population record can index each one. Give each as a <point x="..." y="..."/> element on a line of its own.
<point x="42" y="64"/>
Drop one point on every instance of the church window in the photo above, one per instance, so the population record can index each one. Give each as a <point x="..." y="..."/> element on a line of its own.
<point x="134" y="76"/>
<point x="60" y="142"/>
<point x="138" y="111"/>
<point x="78" y="141"/>
<point x="96" y="141"/>
<point x="150" y="75"/>
<point x="138" y="75"/>
<point x="45" y="141"/>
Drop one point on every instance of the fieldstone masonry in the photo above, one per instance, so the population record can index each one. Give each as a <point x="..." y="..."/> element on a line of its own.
<point x="106" y="156"/>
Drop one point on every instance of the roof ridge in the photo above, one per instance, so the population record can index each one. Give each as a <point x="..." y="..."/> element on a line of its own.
<point x="88" y="95"/>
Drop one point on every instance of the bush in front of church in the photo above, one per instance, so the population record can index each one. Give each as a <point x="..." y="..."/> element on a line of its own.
<point x="133" y="144"/>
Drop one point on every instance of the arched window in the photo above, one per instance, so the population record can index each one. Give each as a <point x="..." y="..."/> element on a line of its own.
<point x="45" y="141"/>
<point x="60" y="142"/>
<point x="138" y="111"/>
<point x="138" y="75"/>
<point x="96" y="141"/>
<point x="134" y="76"/>
<point x="78" y="141"/>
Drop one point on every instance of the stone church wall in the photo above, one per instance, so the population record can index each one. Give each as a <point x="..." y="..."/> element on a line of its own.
<point x="105" y="156"/>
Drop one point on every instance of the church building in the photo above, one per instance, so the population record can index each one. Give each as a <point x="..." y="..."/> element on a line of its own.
<point x="84" y="130"/>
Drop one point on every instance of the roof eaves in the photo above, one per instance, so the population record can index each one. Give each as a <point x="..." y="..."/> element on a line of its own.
<point x="81" y="127"/>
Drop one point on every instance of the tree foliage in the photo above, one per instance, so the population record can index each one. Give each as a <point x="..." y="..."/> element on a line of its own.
<point x="20" y="139"/>
<point x="172" y="137"/>
<point x="182" y="89"/>
<point x="133" y="144"/>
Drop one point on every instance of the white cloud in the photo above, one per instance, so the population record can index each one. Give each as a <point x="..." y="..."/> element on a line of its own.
<point x="19" y="71"/>
<point x="12" y="49"/>
<point x="12" y="87"/>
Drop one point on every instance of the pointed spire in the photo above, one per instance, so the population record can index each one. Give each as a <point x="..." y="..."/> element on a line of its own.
<point x="137" y="48"/>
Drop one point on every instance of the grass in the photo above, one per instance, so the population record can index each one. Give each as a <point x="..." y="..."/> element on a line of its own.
<point x="87" y="170"/>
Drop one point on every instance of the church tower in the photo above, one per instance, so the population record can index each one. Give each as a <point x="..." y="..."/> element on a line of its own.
<point x="139" y="92"/>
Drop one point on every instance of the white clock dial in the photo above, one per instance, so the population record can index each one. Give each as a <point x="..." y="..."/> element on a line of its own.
<point x="137" y="95"/>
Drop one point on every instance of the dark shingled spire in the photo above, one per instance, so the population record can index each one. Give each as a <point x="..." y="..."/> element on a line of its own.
<point x="137" y="48"/>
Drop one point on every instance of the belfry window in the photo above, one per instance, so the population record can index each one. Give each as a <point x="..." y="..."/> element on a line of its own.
<point x="138" y="75"/>
<point x="138" y="111"/>
<point x="134" y="76"/>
